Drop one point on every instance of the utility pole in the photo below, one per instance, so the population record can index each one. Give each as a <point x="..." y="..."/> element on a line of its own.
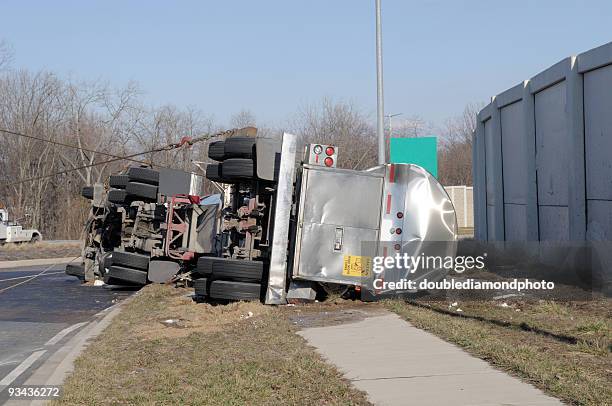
<point x="380" y="110"/>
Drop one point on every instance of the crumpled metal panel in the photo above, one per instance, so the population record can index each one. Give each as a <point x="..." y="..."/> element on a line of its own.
<point x="428" y="212"/>
<point x="415" y="203"/>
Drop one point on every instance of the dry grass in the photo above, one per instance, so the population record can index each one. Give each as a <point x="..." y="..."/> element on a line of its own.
<point x="39" y="250"/>
<point x="587" y="323"/>
<point x="213" y="355"/>
<point x="577" y="373"/>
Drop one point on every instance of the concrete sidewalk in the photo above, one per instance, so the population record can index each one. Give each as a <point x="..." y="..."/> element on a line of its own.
<point x="398" y="364"/>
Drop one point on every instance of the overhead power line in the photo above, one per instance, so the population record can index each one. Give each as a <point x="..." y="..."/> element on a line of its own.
<point x="63" y="144"/>
<point x="185" y="141"/>
<point x="35" y="178"/>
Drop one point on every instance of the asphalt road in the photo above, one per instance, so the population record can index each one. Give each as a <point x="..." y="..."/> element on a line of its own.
<point x="43" y="313"/>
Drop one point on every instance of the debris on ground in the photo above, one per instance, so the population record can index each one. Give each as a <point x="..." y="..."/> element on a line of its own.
<point x="176" y="323"/>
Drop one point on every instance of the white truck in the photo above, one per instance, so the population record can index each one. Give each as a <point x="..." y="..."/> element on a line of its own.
<point x="11" y="232"/>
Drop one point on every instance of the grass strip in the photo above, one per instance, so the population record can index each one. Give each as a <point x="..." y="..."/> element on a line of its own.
<point x="165" y="349"/>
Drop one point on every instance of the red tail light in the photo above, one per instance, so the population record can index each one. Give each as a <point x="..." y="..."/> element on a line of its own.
<point x="329" y="162"/>
<point x="330" y="151"/>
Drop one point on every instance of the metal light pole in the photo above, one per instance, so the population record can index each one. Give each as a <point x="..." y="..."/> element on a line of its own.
<point x="390" y="116"/>
<point x="380" y="110"/>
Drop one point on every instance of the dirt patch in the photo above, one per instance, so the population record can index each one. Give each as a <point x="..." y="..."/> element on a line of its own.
<point x="331" y="313"/>
<point x="183" y="317"/>
<point x="40" y="250"/>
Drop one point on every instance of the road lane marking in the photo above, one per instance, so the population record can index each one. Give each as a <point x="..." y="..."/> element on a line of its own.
<point x="56" y="338"/>
<point x="21" y="368"/>
<point x="12" y="359"/>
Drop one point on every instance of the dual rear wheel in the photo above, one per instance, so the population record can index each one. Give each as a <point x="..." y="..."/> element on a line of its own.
<point x="229" y="279"/>
<point x="236" y="160"/>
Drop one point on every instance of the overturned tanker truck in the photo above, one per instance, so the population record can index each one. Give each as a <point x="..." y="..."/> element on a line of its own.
<point x="285" y="222"/>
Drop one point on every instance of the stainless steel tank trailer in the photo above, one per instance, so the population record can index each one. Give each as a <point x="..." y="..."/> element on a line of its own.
<point x="281" y="224"/>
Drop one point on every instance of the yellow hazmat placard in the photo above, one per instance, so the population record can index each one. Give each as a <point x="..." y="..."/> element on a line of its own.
<point x="358" y="266"/>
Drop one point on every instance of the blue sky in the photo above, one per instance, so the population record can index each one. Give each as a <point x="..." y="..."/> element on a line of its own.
<point x="272" y="56"/>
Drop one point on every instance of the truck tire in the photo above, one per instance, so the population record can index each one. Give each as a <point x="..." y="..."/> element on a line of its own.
<point x="35" y="238"/>
<point x="117" y="196"/>
<point x="118" y="181"/>
<point x="234" y="290"/>
<point x="142" y="190"/>
<point x="213" y="172"/>
<point x="87" y="192"/>
<point x="239" y="147"/>
<point x="238" y="169"/>
<point x="204" y="265"/>
<point x="143" y="175"/>
<point x="131" y="260"/>
<point x="76" y="270"/>
<point x="127" y="274"/>
<point x="216" y="150"/>
<point x="201" y="287"/>
<point x="120" y="282"/>
<point x="230" y="269"/>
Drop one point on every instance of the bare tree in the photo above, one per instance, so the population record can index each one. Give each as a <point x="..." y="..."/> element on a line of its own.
<point x="413" y="126"/>
<point x="28" y="104"/>
<point x="244" y="118"/>
<point x="461" y="128"/>
<point x="342" y="124"/>
<point x="455" y="152"/>
<point x="69" y="126"/>
<point x="96" y="116"/>
<point x="167" y="125"/>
